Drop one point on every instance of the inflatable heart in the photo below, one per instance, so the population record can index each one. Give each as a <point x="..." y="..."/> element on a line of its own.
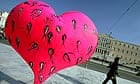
<point x="47" y="42"/>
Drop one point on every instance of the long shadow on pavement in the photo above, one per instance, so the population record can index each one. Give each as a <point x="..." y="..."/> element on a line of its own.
<point x="73" y="80"/>
<point x="8" y="79"/>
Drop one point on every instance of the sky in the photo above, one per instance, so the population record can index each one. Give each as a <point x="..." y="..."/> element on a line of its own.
<point x="104" y="13"/>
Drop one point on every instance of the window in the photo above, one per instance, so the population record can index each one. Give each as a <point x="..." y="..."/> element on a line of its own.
<point x="127" y="52"/>
<point x="134" y="61"/>
<point x="125" y="58"/>
<point x="110" y="42"/>
<point x="124" y="45"/>
<point x="118" y="49"/>
<point x="132" y="47"/>
<point x="137" y="48"/>
<point x="120" y="43"/>
<point x="128" y="46"/>
<point x="104" y="45"/>
<point x="101" y="44"/>
<point x="135" y="54"/>
<point x="114" y="48"/>
<point x="96" y="49"/>
<point x="101" y="51"/>
<point x="103" y="40"/>
<point x="0" y="13"/>
<point x="123" y="51"/>
<point x="131" y="53"/>
<point x="107" y="53"/>
<point x="139" y="61"/>
<point x="112" y="54"/>
<point x="115" y="43"/>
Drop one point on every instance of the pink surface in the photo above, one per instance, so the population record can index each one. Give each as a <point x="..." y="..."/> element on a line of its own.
<point x="47" y="42"/>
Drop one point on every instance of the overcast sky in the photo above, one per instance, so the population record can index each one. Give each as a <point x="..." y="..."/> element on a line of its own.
<point x="104" y="13"/>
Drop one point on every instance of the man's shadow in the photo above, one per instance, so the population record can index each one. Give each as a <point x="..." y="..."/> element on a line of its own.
<point x="8" y="79"/>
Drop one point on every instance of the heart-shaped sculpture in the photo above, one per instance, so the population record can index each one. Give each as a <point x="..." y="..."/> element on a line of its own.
<point x="47" y="42"/>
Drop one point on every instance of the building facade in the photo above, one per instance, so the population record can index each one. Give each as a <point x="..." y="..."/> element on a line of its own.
<point x="109" y="48"/>
<point x="3" y="16"/>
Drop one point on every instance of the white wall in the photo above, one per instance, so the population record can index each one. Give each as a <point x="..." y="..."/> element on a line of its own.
<point x="3" y="19"/>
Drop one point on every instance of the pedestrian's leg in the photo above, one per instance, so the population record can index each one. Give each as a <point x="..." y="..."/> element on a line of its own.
<point x="106" y="80"/>
<point x="114" y="80"/>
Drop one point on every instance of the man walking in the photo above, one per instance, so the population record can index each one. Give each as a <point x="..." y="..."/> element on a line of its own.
<point x="111" y="75"/>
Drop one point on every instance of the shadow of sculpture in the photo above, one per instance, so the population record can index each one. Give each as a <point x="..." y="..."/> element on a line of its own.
<point x="8" y="79"/>
<point x="73" y="80"/>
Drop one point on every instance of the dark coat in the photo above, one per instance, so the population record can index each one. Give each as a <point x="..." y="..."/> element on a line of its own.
<point x="113" y="69"/>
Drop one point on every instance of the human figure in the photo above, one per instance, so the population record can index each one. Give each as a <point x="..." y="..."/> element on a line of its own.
<point x="111" y="75"/>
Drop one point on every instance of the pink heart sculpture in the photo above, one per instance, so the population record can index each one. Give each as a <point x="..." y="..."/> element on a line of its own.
<point x="47" y="42"/>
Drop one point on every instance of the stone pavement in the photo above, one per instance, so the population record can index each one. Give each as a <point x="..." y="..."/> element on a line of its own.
<point x="12" y="66"/>
<point x="13" y="70"/>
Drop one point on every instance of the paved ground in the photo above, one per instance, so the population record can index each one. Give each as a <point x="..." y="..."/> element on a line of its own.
<point x="11" y="66"/>
<point x="101" y="68"/>
<point x="8" y="64"/>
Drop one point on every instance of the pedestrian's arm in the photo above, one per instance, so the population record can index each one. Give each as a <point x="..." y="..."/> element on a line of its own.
<point x="117" y="73"/>
<point x="110" y="65"/>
